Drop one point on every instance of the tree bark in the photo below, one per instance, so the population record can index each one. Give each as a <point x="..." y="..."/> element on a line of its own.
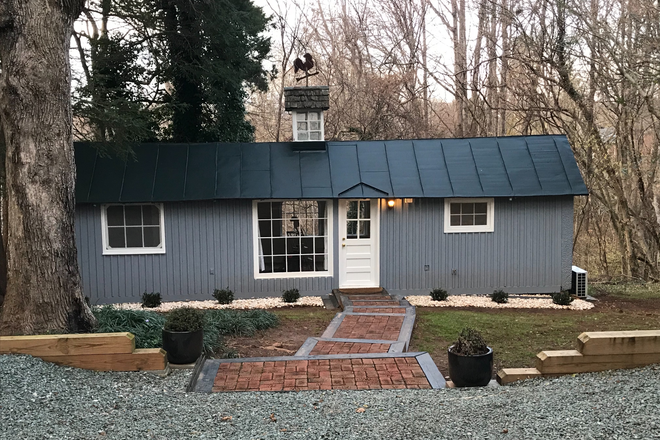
<point x="44" y="293"/>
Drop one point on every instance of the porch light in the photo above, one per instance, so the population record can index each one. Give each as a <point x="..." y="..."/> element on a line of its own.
<point x="390" y="203"/>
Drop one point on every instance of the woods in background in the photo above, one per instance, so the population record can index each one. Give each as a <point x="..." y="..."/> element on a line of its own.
<point x="188" y="70"/>
<point x="402" y="69"/>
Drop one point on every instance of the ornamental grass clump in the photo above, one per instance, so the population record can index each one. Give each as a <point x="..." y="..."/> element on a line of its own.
<point x="469" y="343"/>
<point x="562" y="298"/>
<point x="500" y="297"/>
<point x="145" y="325"/>
<point x="224" y="296"/>
<point x="184" y="319"/>
<point x="439" y="295"/>
<point x="151" y="300"/>
<point x="291" y="296"/>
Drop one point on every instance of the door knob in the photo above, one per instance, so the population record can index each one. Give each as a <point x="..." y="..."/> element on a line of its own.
<point x="343" y="245"/>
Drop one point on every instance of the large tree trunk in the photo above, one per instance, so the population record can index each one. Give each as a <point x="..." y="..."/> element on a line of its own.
<point x="43" y="283"/>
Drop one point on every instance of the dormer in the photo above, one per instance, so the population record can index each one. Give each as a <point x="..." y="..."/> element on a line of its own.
<point x="307" y="105"/>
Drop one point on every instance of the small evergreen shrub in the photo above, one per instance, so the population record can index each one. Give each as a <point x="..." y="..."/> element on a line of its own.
<point x="151" y="300"/>
<point x="500" y="296"/>
<point x="224" y="296"/>
<point x="240" y="323"/>
<point x="184" y="319"/>
<point x="439" y="295"/>
<point x="291" y="296"/>
<point x="470" y="343"/>
<point x="146" y="325"/>
<point x="562" y="298"/>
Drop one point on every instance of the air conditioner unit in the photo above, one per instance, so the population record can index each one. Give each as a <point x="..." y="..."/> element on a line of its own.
<point x="579" y="282"/>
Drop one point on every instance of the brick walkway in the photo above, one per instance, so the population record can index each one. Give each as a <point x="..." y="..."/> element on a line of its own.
<point x="363" y="348"/>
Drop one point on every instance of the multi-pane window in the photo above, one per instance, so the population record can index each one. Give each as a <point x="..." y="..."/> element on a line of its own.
<point x="308" y="126"/>
<point x="469" y="215"/>
<point x="133" y="228"/>
<point x="358" y="221"/>
<point x="293" y="236"/>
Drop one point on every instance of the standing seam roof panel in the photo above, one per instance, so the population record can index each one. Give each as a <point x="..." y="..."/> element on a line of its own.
<point x="479" y="167"/>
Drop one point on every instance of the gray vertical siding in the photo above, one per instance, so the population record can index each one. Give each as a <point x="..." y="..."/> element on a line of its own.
<point x="530" y="250"/>
<point x="199" y="237"/>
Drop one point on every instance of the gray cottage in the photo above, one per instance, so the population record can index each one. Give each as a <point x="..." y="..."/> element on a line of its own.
<point x="466" y="215"/>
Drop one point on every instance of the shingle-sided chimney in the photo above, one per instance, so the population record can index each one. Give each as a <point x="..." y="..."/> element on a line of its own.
<point x="306" y="105"/>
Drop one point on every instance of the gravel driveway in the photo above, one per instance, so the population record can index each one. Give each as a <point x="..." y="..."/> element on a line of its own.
<point x="40" y="400"/>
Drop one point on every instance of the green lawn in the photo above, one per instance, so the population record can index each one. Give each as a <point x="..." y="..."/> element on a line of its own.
<point x="518" y="335"/>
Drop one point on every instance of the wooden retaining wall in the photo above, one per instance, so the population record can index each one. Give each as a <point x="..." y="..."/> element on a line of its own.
<point x="597" y="351"/>
<point x="93" y="351"/>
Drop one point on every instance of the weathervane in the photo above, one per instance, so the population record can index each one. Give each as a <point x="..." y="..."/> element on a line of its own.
<point x="305" y="66"/>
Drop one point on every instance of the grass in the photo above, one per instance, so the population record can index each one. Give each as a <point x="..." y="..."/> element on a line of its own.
<point x="147" y="326"/>
<point x="518" y="335"/>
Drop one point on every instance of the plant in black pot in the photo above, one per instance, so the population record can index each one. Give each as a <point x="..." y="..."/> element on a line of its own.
<point x="183" y="335"/>
<point x="470" y="360"/>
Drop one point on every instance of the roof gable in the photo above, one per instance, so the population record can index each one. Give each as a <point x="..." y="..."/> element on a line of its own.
<point x="478" y="167"/>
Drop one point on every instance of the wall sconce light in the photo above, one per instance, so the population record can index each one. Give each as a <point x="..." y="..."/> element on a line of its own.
<point x="390" y="203"/>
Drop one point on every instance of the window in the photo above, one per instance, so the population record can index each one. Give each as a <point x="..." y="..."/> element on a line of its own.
<point x="358" y="223"/>
<point x="133" y="229"/>
<point x="469" y="215"/>
<point x="292" y="238"/>
<point x="308" y="126"/>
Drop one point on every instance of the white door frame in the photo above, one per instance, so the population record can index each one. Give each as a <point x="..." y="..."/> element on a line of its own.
<point x="373" y="241"/>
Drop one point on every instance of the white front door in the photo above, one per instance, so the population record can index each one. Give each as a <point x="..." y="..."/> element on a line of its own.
<point x="358" y="243"/>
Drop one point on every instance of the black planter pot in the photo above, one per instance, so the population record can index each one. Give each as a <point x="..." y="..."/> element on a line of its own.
<point x="183" y="347"/>
<point x="470" y="371"/>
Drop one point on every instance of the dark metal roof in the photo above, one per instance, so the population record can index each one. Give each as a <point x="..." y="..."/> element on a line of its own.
<point x="476" y="167"/>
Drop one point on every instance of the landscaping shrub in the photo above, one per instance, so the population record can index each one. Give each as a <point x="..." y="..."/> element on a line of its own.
<point x="562" y="298"/>
<point x="291" y="296"/>
<point x="151" y="300"/>
<point x="499" y="296"/>
<point x="145" y="325"/>
<point x="261" y="319"/>
<point x="439" y="295"/>
<point x="470" y="343"/>
<point x="224" y="296"/>
<point x="240" y="323"/>
<point x="184" y="319"/>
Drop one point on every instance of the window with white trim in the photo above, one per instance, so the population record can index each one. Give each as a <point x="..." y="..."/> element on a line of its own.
<point x="292" y="238"/>
<point x="133" y="229"/>
<point x="469" y="215"/>
<point x="308" y="126"/>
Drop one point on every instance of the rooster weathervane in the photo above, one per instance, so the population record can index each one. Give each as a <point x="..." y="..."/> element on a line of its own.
<point x="305" y="66"/>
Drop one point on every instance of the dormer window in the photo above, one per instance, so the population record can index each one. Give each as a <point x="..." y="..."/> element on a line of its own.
<point x="308" y="126"/>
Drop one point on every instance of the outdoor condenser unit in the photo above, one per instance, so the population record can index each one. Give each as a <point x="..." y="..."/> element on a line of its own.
<point x="579" y="282"/>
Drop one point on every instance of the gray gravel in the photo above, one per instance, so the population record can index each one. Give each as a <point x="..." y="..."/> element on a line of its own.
<point x="41" y="400"/>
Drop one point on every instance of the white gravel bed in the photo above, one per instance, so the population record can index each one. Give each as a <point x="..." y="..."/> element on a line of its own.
<point x="241" y="304"/>
<point x="39" y="400"/>
<point x="515" y="302"/>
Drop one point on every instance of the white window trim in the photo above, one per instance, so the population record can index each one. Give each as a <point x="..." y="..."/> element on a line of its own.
<point x="255" y="245"/>
<point x="490" y="216"/>
<point x="131" y="251"/>
<point x="294" y="116"/>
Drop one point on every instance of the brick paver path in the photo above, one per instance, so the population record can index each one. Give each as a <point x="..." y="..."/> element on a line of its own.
<point x="331" y="347"/>
<point x="378" y="310"/>
<point x="370" y="327"/>
<point x="333" y="374"/>
<point x="375" y="303"/>
<point x="347" y="359"/>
